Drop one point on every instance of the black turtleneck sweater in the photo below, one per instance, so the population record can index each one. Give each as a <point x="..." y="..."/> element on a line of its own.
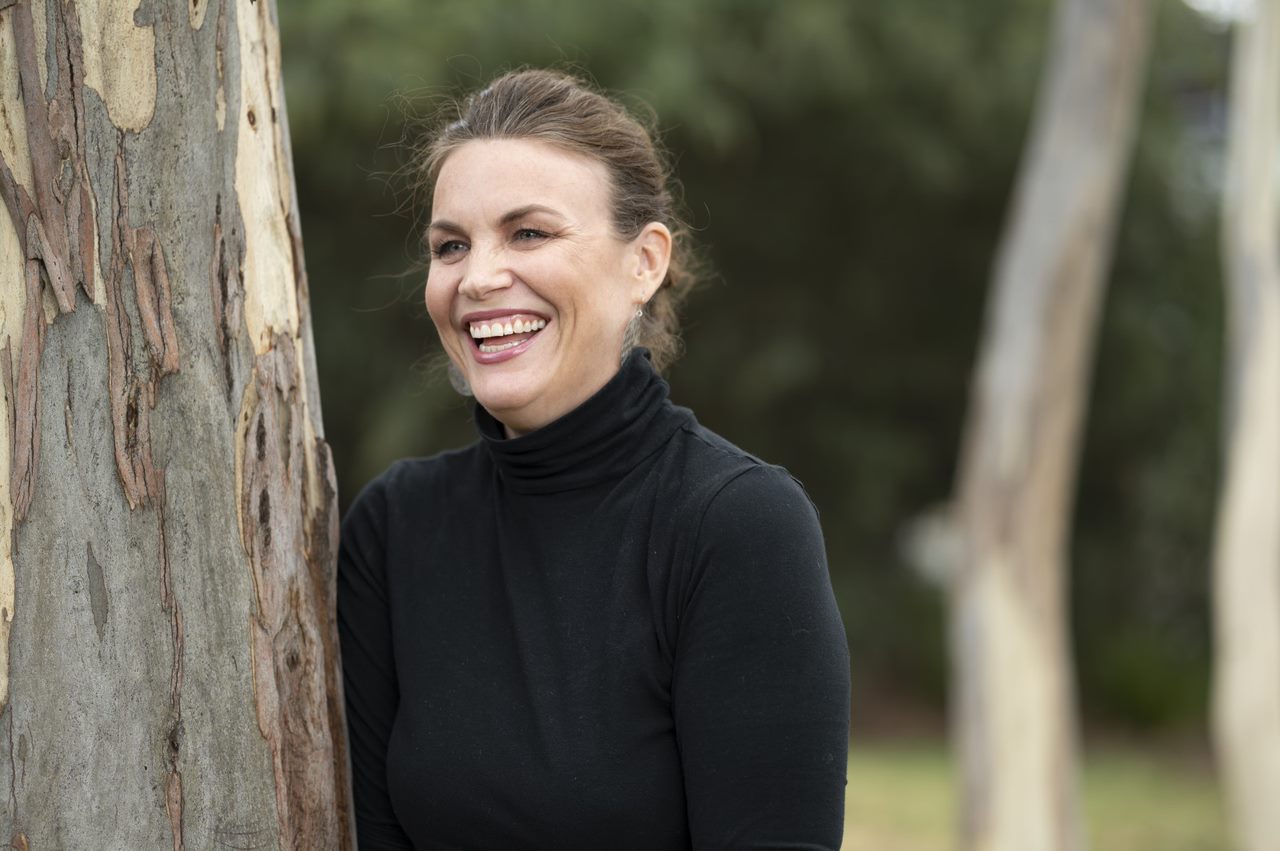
<point x="615" y="632"/>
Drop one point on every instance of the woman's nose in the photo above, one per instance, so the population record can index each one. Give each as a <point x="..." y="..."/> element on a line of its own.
<point x="486" y="273"/>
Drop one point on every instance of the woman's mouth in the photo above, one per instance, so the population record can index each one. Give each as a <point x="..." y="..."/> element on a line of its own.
<point x="501" y="333"/>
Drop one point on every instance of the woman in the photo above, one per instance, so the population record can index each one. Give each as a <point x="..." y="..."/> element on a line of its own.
<point x="601" y="626"/>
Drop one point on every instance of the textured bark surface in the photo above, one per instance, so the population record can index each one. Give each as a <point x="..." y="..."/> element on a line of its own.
<point x="1246" y="700"/>
<point x="167" y="506"/>
<point x="1013" y="704"/>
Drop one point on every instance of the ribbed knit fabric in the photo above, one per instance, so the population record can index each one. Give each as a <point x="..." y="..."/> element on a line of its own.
<point x="615" y="632"/>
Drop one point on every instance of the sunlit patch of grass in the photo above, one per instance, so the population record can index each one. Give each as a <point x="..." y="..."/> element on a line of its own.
<point x="1138" y="801"/>
<point x="901" y="798"/>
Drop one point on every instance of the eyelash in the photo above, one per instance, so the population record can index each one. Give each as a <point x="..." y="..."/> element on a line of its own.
<point x="439" y="251"/>
<point x="446" y="248"/>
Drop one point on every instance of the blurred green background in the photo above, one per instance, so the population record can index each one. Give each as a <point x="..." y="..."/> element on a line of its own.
<point x="847" y="166"/>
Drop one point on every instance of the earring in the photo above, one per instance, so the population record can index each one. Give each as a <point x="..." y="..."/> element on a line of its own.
<point x="632" y="335"/>
<point x="458" y="381"/>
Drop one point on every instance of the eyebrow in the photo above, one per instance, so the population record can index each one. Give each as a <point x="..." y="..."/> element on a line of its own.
<point x="507" y="218"/>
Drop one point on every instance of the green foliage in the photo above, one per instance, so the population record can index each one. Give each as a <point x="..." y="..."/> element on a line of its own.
<point x="1145" y="679"/>
<point x="847" y="167"/>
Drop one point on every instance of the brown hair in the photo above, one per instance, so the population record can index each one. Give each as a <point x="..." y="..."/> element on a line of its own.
<point x="566" y="111"/>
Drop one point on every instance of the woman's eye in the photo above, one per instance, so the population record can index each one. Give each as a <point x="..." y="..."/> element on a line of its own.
<point x="448" y="248"/>
<point x="530" y="234"/>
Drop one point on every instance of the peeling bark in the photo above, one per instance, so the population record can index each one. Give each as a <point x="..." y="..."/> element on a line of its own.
<point x="133" y="388"/>
<point x="173" y="775"/>
<point x="25" y="436"/>
<point x="196" y="11"/>
<point x="191" y="497"/>
<point x="277" y="522"/>
<point x="55" y="140"/>
<point x="151" y="283"/>
<point x="225" y="294"/>
<point x="220" y="46"/>
<point x="56" y="238"/>
<point x="47" y="230"/>
<point x="263" y="186"/>
<point x="121" y="66"/>
<point x="321" y="554"/>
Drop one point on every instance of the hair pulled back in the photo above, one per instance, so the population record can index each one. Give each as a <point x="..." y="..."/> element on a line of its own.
<point x="565" y="111"/>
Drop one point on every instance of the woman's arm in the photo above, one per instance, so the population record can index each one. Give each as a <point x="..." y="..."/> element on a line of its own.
<point x="760" y="691"/>
<point x="368" y="668"/>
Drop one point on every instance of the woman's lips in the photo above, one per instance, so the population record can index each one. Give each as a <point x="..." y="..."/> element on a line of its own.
<point x="499" y="352"/>
<point x="499" y="335"/>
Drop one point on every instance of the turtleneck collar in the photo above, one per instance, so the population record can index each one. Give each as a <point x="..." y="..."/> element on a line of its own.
<point x="601" y="439"/>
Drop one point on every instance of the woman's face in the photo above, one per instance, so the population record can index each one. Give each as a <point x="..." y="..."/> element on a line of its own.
<point x="529" y="288"/>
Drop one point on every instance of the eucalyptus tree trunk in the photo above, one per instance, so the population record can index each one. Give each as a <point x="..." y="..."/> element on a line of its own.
<point x="1246" y="700"/>
<point x="168" y="669"/>
<point x="1013" y="713"/>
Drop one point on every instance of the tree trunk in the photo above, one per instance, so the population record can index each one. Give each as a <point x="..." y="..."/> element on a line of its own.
<point x="168" y="668"/>
<point x="1246" y="700"/>
<point x="1013" y="710"/>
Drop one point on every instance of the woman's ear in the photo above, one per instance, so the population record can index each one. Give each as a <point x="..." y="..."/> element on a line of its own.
<point x="651" y="253"/>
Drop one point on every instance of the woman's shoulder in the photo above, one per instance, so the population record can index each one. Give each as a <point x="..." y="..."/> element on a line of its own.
<point x="745" y="532"/>
<point x="720" y="479"/>
<point x="415" y="480"/>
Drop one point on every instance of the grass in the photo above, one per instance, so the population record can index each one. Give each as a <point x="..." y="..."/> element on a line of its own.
<point x="901" y="798"/>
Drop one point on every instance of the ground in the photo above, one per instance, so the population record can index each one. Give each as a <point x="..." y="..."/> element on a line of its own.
<point x="901" y="798"/>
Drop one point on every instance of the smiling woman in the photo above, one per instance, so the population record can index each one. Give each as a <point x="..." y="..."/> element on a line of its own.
<point x="600" y="625"/>
<point x="522" y="234"/>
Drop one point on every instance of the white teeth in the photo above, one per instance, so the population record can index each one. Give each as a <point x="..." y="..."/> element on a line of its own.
<point x="489" y="349"/>
<point x="498" y="329"/>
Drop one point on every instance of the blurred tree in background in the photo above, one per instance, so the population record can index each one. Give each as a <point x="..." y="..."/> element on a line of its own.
<point x="847" y="166"/>
<point x="1246" y="669"/>
<point x="1015" y="727"/>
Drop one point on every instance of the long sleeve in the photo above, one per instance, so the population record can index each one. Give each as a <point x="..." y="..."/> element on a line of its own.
<point x="760" y="691"/>
<point x="369" y="677"/>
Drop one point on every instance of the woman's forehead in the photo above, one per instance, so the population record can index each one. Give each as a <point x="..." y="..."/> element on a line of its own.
<point x="491" y="177"/>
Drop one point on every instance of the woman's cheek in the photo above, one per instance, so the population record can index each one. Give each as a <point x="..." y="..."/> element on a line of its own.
<point x="438" y="302"/>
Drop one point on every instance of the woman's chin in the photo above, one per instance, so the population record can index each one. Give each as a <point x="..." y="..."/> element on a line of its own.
<point x="511" y="405"/>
